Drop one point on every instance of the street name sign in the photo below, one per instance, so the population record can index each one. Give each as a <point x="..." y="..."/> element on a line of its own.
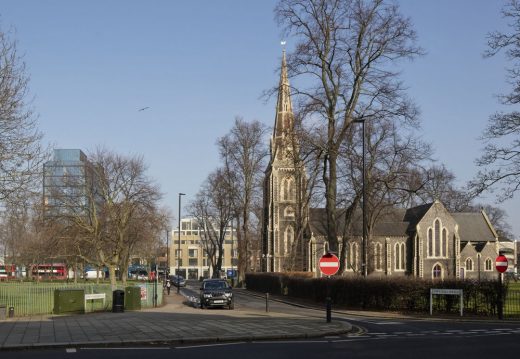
<point x="501" y="263"/>
<point x="329" y="264"/>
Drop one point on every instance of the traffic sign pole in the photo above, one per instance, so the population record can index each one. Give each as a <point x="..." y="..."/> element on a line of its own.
<point x="501" y="266"/>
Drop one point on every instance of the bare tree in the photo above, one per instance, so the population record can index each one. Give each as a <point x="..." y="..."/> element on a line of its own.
<point x="392" y="159"/>
<point x="345" y="52"/>
<point x="501" y="155"/>
<point x="213" y="209"/>
<point x="243" y="152"/>
<point x="21" y="154"/>
<point x="107" y="208"/>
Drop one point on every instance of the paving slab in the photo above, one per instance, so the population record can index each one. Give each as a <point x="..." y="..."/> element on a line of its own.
<point x="173" y="323"/>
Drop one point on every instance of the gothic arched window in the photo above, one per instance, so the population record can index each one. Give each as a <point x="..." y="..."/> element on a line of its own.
<point x="488" y="264"/>
<point x="444" y="244"/>
<point x="399" y="251"/>
<point x="437" y="271"/>
<point x="288" y="240"/>
<point x="469" y="264"/>
<point x="287" y="189"/>
<point x="430" y="242"/>
<point x="378" y="256"/>
<point x="288" y="212"/>
<point x="354" y="258"/>
<point x="437" y="235"/>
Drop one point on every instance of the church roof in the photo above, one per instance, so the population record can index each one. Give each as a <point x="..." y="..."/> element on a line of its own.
<point x="398" y="222"/>
<point x="391" y="224"/>
<point x="473" y="227"/>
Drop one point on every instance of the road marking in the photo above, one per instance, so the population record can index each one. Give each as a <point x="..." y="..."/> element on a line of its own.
<point x="209" y="345"/>
<point x="70" y="350"/>
<point x="128" y="348"/>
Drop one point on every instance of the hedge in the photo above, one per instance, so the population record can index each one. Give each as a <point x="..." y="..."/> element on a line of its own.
<point x="404" y="294"/>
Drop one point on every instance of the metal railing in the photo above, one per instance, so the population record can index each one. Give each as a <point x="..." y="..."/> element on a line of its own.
<point x="33" y="298"/>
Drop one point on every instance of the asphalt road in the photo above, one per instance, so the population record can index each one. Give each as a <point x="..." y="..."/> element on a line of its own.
<point x="375" y="338"/>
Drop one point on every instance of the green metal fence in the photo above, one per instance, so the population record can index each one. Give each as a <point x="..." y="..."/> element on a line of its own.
<point x="33" y="298"/>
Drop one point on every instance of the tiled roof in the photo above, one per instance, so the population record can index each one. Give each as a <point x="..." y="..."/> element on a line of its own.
<point x="473" y="227"/>
<point x="398" y="222"/>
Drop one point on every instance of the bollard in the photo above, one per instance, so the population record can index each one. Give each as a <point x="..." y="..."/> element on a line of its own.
<point x="329" y="309"/>
<point x="11" y="312"/>
<point x="267" y="302"/>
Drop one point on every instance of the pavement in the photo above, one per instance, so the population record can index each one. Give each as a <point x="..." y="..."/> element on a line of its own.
<point x="175" y="323"/>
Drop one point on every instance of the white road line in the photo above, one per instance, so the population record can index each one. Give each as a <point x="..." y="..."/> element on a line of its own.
<point x="70" y="350"/>
<point x="128" y="348"/>
<point x="209" y="345"/>
<point x="293" y="342"/>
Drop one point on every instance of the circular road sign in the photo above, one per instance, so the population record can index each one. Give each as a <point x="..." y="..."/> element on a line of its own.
<point x="329" y="264"/>
<point x="501" y="264"/>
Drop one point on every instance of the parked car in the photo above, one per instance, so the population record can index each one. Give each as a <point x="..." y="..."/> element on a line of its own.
<point x="178" y="280"/>
<point x="216" y="293"/>
<point x="512" y="276"/>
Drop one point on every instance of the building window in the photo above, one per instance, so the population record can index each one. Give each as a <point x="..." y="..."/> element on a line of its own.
<point x="437" y="235"/>
<point x="444" y="244"/>
<point x="193" y="253"/>
<point x="193" y="262"/>
<point x="288" y="212"/>
<point x="354" y="256"/>
<point x="288" y="239"/>
<point x="437" y="271"/>
<point x="430" y="242"/>
<point x="378" y="256"/>
<point x="488" y="264"/>
<point x="437" y="241"/>
<point x="399" y="256"/>
<point x="469" y="264"/>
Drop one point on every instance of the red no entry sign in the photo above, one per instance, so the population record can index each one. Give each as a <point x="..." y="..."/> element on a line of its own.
<point x="329" y="264"/>
<point x="501" y="263"/>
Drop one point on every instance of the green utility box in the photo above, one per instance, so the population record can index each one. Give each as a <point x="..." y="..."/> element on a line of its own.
<point x="133" y="298"/>
<point x="69" y="301"/>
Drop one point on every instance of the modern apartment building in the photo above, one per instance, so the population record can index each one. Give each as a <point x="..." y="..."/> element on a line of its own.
<point x="193" y="258"/>
<point x="65" y="182"/>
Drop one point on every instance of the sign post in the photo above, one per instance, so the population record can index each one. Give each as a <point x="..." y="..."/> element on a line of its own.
<point x="501" y="266"/>
<point x="329" y="265"/>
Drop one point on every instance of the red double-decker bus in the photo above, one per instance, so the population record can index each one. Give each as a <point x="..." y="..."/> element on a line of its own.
<point x="7" y="271"/>
<point x="49" y="271"/>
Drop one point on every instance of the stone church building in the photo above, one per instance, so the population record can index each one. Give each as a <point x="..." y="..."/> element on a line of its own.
<point x="425" y="241"/>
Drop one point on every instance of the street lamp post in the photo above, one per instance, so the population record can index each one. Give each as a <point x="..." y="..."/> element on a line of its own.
<point x="167" y="269"/>
<point x="179" y="243"/>
<point x="363" y="189"/>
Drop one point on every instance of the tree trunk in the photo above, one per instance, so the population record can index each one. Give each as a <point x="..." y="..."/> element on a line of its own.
<point x="330" y="181"/>
<point x="112" y="276"/>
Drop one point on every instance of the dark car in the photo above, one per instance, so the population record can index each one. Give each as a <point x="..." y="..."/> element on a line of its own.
<point x="216" y="293"/>
<point x="177" y="281"/>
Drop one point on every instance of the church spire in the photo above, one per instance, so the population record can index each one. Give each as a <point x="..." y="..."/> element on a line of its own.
<point x="284" y="115"/>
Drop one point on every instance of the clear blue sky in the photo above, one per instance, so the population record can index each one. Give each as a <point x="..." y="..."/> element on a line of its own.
<point x="198" y="64"/>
